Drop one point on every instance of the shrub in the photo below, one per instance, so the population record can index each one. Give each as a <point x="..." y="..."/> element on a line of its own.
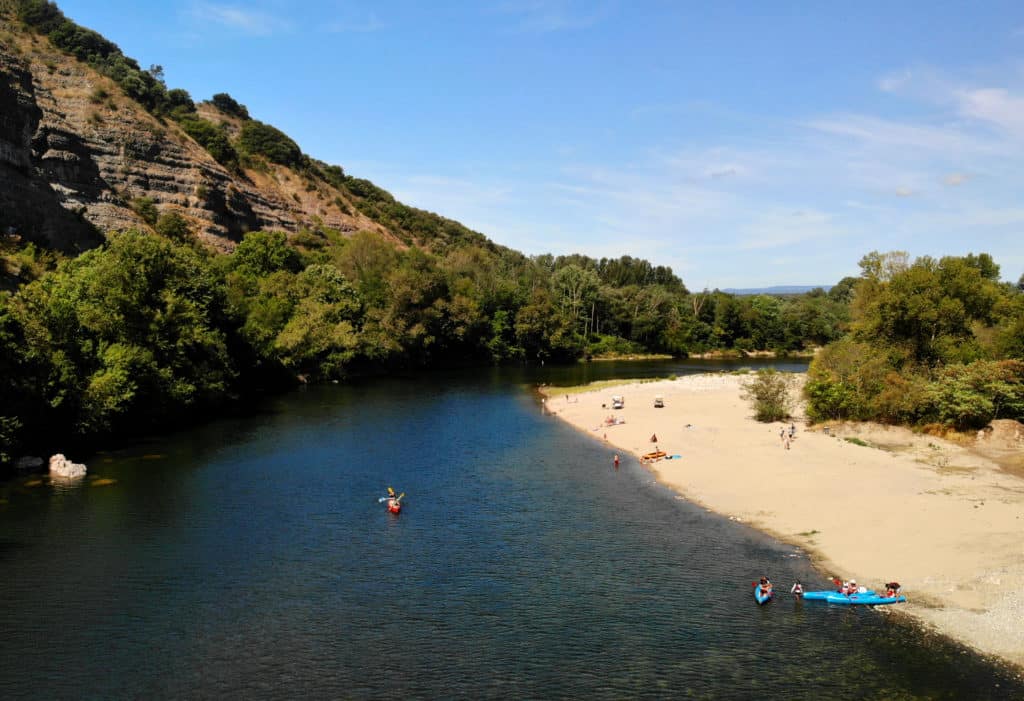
<point x="257" y="138"/>
<point x="227" y="104"/>
<point x="145" y="207"/>
<point x="173" y="226"/>
<point x="213" y="138"/>
<point x="769" y="394"/>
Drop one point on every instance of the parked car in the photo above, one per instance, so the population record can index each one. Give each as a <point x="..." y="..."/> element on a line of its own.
<point x="659" y="401"/>
<point x="618" y="402"/>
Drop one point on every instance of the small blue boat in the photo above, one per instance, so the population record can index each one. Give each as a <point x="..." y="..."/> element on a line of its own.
<point x="865" y="598"/>
<point x="762" y="598"/>
<point x="823" y="595"/>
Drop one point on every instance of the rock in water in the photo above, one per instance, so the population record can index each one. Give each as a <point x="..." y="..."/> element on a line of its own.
<point x="64" y="468"/>
<point x="28" y="462"/>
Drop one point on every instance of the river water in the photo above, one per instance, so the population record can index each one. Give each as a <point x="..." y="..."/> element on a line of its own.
<point x="250" y="559"/>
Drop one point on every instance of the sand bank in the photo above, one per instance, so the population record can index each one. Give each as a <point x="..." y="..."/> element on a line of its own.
<point x="943" y="520"/>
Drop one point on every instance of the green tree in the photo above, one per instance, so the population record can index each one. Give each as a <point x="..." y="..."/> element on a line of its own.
<point x="263" y="252"/>
<point x="257" y="138"/>
<point x="972" y="395"/>
<point x="227" y="104"/>
<point x="769" y="393"/>
<point x="173" y="226"/>
<point x="321" y="336"/>
<point x="212" y="137"/>
<point x="575" y="288"/>
<point x="131" y="333"/>
<point x="146" y="208"/>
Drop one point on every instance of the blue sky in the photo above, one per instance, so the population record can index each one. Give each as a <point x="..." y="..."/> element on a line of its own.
<point x="743" y="144"/>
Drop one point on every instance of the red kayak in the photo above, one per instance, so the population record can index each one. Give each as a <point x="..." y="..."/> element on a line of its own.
<point x="394" y="506"/>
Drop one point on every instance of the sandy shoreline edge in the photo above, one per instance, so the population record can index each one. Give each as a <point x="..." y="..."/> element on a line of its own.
<point x="945" y="521"/>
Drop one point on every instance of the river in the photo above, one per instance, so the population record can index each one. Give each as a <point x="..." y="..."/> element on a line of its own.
<point x="249" y="559"/>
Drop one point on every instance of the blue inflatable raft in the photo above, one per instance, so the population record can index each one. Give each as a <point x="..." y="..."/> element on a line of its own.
<point x="865" y="598"/>
<point x="760" y="598"/>
<point x="823" y="595"/>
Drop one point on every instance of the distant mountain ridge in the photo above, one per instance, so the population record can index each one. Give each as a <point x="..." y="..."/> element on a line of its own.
<point x="776" y="290"/>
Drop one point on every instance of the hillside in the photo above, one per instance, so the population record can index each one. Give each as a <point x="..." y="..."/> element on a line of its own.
<point x="80" y="157"/>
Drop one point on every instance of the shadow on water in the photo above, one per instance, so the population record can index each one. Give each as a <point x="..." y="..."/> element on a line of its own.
<point x="250" y="558"/>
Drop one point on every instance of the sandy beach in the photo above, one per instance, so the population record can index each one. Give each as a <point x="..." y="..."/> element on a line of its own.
<point x="945" y="520"/>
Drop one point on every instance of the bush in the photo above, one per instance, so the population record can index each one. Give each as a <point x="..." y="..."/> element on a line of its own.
<point x="613" y="346"/>
<point x="769" y="394"/>
<point x="228" y="105"/>
<point x="145" y="207"/>
<point x="213" y="138"/>
<point x="173" y="226"/>
<point x="970" y="396"/>
<point x="259" y="139"/>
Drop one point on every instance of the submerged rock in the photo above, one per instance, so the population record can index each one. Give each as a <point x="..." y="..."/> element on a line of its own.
<point x="28" y="462"/>
<point x="64" y="468"/>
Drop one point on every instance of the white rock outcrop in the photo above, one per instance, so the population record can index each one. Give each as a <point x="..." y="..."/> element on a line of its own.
<point x="62" y="467"/>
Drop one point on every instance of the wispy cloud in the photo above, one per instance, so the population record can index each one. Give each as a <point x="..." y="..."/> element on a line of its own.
<point x="544" y="16"/>
<point x="238" y="18"/>
<point x="995" y="106"/>
<point x="883" y="132"/>
<point x="826" y="187"/>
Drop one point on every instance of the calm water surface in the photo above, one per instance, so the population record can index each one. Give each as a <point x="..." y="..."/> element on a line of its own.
<point x="251" y="559"/>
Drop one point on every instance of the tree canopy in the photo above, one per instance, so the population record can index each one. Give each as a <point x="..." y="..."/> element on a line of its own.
<point x="930" y="341"/>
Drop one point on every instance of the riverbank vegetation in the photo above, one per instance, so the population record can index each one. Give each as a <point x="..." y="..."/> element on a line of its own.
<point x="932" y="341"/>
<point x="151" y="329"/>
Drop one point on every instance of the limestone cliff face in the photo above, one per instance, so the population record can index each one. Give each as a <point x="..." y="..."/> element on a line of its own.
<point x="75" y="152"/>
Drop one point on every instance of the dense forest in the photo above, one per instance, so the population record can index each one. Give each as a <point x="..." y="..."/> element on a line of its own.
<point x="933" y="341"/>
<point x="153" y="328"/>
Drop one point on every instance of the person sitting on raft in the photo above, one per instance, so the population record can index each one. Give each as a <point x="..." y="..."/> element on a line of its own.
<point x="892" y="589"/>
<point x="853" y="587"/>
<point x="766" y="586"/>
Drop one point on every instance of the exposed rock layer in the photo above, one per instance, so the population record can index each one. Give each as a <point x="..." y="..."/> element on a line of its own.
<point x="75" y="152"/>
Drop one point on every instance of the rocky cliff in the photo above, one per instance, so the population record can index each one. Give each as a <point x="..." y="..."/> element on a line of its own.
<point x="76" y="153"/>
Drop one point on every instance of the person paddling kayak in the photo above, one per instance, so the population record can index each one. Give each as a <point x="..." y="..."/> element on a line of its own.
<point x="394" y="503"/>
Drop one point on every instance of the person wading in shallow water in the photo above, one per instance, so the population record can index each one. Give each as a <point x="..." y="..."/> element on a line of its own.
<point x="616" y="461"/>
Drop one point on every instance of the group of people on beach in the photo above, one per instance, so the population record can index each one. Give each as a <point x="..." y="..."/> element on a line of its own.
<point x="848" y="588"/>
<point x="787" y="436"/>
